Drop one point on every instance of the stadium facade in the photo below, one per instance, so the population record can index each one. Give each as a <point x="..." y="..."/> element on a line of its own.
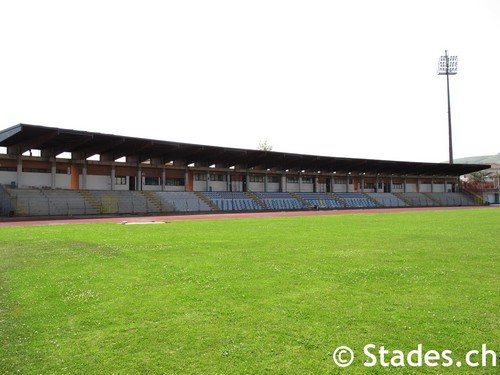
<point x="54" y="159"/>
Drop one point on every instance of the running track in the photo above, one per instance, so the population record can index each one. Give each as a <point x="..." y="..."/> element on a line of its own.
<point x="5" y="222"/>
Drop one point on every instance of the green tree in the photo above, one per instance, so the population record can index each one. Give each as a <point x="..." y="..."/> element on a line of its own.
<point x="478" y="176"/>
<point x="265" y="146"/>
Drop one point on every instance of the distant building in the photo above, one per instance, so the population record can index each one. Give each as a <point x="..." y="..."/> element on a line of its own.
<point x="489" y="187"/>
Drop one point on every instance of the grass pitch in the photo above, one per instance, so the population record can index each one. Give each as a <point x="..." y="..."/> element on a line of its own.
<point x="274" y="295"/>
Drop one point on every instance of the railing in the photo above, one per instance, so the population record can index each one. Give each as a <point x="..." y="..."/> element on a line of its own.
<point x="477" y="187"/>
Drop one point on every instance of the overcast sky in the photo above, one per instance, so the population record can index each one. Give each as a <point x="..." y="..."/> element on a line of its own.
<point x="334" y="78"/>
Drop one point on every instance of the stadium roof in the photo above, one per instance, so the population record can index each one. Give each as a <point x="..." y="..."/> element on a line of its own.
<point x="54" y="141"/>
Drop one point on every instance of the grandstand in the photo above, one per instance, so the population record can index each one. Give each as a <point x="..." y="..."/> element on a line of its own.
<point x="41" y="202"/>
<point x="48" y="171"/>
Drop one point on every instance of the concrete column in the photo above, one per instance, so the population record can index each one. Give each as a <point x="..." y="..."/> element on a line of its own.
<point x="19" y="175"/>
<point x="53" y="171"/>
<point x="84" y="176"/>
<point x="113" y="176"/>
<point x="164" y="176"/>
<point x="139" y="178"/>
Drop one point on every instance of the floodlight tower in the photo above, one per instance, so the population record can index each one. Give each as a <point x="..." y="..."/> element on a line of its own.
<point x="448" y="65"/>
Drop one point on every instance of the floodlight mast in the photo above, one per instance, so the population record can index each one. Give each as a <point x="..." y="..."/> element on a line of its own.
<point x="447" y="66"/>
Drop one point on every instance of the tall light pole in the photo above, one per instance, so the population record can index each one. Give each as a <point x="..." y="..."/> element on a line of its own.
<point x="448" y="65"/>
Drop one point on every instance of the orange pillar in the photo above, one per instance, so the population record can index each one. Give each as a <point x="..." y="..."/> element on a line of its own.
<point x="75" y="177"/>
<point x="189" y="181"/>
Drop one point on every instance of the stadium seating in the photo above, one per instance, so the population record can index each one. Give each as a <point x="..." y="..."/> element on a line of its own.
<point x="281" y="201"/>
<point x="388" y="199"/>
<point x="41" y="202"/>
<point x="29" y="202"/>
<point x="122" y="202"/>
<point x="182" y="202"/>
<point x="356" y="200"/>
<point x="5" y="202"/>
<point x="67" y="203"/>
<point x="233" y="201"/>
<point x="417" y="199"/>
<point x="321" y="200"/>
<point x="47" y="202"/>
<point x="451" y="199"/>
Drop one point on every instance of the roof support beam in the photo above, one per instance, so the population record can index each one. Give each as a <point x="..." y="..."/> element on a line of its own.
<point x="31" y="143"/>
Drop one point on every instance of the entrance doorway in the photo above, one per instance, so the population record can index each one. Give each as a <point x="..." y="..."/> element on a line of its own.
<point x="245" y="183"/>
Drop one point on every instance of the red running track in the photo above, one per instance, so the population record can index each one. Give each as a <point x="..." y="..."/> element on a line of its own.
<point x="4" y="222"/>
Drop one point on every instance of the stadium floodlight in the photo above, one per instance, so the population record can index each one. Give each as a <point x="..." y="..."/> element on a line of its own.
<point x="448" y="65"/>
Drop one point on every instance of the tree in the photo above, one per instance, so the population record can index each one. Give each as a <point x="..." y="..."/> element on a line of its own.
<point x="478" y="176"/>
<point x="265" y="146"/>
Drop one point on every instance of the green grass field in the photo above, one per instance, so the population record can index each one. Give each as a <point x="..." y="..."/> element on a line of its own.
<point x="274" y="295"/>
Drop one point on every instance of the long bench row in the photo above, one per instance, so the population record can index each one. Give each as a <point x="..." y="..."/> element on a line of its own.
<point x="39" y="202"/>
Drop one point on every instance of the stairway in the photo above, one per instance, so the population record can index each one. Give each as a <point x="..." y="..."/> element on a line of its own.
<point x="371" y="199"/>
<point x="301" y="200"/>
<point x="342" y="201"/>
<point x="403" y="198"/>
<point x="205" y="199"/>
<point x="154" y="200"/>
<point x="91" y="200"/>
<point x="436" y="202"/>
<point x="261" y="203"/>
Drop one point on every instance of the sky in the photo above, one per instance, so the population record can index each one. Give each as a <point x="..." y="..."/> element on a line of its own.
<point x="353" y="79"/>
